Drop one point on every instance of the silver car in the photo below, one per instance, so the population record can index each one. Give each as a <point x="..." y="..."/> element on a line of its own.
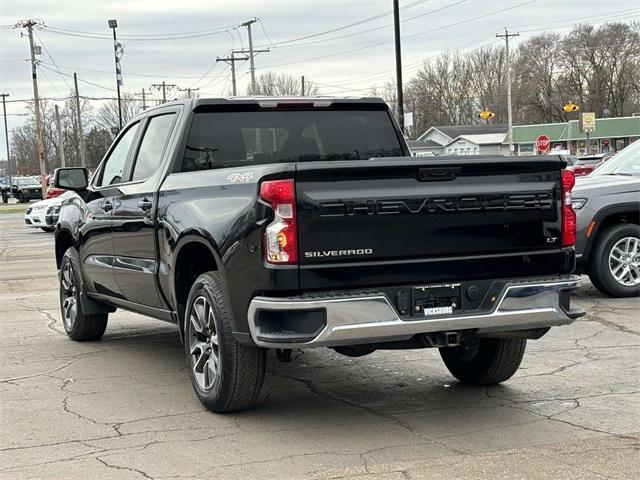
<point x="607" y="206"/>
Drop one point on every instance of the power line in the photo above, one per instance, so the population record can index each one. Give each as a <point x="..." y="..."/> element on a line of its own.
<point x="615" y="13"/>
<point x="60" y="99"/>
<point x="195" y="32"/>
<point x="130" y="38"/>
<point x="461" y="22"/>
<point x="79" y="79"/>
<point x="129" y="74"/>
<point x="52" y="60"/>
<point x="264" y="30"/>
<point x="213" y="64"/>
<point x="44" y="73"/>
<point x="343" y="27"/>
<point x="373" y="29"/>
<point x="365" y="78"/>
<point x="412" y="66"/>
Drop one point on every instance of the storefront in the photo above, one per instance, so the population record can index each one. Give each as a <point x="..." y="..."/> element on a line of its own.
<point x="611" y="135"/>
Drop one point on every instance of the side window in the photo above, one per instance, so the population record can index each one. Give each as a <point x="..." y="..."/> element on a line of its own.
<point x="114" y="164"/>
<point x="152" y="145"/>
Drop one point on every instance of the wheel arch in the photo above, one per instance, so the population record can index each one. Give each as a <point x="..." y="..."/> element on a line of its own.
<point x="607" y="216"/>
<point x="195" y="253"/>
<point x="63" y="240"/>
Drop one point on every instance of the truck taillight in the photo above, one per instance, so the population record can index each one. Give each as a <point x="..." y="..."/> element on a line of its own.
<point x="568" y="215"/>
<point x="280" y="239"/>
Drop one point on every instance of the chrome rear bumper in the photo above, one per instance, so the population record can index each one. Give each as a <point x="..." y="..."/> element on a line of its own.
<point x="371" y="317"/>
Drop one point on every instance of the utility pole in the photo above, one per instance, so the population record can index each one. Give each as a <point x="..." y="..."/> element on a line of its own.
<point x="506" y="35"/>
<point x="6" y="133"/>
<point x="163" y="86"/>
<point x="63" y="162"/>
<point x="144" y="99"/>
<point x="188" y="90"/>
<point x="29" y="24"/>
<point x="303" y="85"/>
<point x="248" y="24"/>
<point x="231" y="60"/>
<point x="251" y="52"/>
<point x="117" y="54"/>
<point x="83" y="157"/>
<point x="399" y="95"/>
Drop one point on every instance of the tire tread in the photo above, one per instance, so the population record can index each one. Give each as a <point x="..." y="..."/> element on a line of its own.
<point x="497" y="361"/>
<point x="86" y="327"/>
<point x="599" y="270"/>
<point x="247" y="364"/>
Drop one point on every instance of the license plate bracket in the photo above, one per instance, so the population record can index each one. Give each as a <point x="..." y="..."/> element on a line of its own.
<point x="440" y="299"/>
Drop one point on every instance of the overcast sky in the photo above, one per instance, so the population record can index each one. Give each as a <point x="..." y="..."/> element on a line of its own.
<point x="340" y="60"/>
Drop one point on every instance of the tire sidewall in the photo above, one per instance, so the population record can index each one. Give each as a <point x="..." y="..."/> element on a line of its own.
<point x="71" y="256"/>
<point x="215" y="394"/>
<point x="604" y="278"/>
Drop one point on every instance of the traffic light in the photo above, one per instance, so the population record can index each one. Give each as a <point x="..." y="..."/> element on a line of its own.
<point x="571" y="107"/>
<point x="486" y="114"/>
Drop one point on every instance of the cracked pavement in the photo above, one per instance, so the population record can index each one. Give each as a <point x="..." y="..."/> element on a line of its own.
<point x="123" y="408"/>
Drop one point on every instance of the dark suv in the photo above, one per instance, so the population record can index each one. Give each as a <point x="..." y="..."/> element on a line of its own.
<point x="24" y="189"/>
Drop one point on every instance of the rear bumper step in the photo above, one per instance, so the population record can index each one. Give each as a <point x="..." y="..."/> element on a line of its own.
<point x="333" y="320"/>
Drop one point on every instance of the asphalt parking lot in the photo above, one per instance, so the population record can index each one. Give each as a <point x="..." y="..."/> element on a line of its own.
<point x="123" y="407"/>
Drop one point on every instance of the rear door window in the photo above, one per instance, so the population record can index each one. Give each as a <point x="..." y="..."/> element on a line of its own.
<point x="222" y="139"/>
<point x="152" y="146"/>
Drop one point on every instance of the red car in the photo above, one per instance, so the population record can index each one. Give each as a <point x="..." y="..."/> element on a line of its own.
<point x="588" y="163"/>
<point x="53" y="192"/>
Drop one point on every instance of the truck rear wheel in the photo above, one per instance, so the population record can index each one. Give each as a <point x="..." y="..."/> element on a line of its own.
<point x="484" y="361"/>
<point x="226" y="376"/>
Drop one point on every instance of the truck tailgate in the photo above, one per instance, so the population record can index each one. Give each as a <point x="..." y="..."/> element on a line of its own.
<point x="394" y="211"/>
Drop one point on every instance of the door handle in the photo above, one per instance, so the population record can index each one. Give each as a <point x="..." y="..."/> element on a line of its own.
<point x="144" y="204"/>
<point x="107" y="206"/>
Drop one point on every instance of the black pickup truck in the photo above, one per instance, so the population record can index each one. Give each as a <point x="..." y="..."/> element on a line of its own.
<point x="284" y="223"/>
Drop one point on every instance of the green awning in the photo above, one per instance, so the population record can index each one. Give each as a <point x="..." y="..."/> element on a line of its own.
<point x="529" y="133"/>
<point x="621" y="127"/>
<point x="607" y="128"/>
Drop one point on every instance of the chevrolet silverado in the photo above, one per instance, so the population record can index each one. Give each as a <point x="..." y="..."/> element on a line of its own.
<point x="286" y="223"/>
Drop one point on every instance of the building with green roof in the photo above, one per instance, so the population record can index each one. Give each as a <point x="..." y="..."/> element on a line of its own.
<point x="611" y="135"/>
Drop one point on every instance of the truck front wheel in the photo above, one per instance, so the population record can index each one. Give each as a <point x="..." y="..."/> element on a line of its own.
<point x="615" y="261"/>
<point x="78" y="325"/>
<point x="226" y="376"/>
<point x="484" y="361"/>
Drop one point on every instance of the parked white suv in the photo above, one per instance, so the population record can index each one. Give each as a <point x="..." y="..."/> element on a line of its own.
<point x="43" y="214"/>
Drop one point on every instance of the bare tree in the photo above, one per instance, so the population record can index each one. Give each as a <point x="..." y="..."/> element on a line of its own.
<point x="281" y="84"/>
<point x="601" y="66"/>
<point x="597" y="68"/>
<point x="539" y="85"/>
<point x="107" y="117"/>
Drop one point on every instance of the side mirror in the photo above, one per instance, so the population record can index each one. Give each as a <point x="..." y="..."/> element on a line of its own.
<point x="73" y="178"/>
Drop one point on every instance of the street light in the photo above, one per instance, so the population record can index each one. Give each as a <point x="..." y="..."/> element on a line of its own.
<point x="113" y="24"/>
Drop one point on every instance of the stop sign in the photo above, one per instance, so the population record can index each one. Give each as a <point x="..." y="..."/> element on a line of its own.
<point x="543" y="143"/>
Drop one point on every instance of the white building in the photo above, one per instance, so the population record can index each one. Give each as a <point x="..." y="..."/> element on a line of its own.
<point x="481" y="144"/>
<point x="466" y="139"/>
